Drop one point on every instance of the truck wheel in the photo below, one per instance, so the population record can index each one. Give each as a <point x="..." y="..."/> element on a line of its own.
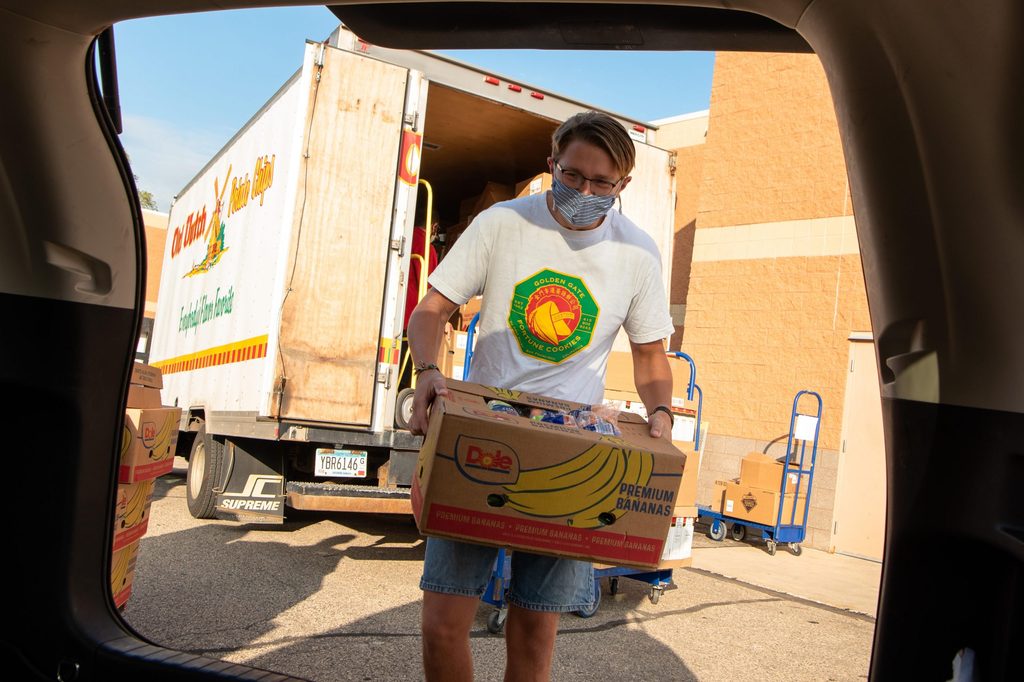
<point x="205" y="464"/>
<point x="403" y="407"/>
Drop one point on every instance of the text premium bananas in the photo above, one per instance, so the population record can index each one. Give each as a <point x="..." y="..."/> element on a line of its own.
<point x="583" y="489"/>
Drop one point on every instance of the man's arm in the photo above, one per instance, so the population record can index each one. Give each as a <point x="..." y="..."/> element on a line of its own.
<point x="426" y="329"/>
<point x="653" y="378"/>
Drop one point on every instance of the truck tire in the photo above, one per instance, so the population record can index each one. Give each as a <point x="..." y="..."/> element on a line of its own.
<point x="403" y="407"/>
<point x="205" y="464"/>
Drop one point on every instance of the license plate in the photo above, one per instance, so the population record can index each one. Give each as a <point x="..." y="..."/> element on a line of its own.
<point x="341" y="463"/>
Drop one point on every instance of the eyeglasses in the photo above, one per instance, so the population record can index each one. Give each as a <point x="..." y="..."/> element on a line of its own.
<point x="575" y="180"/>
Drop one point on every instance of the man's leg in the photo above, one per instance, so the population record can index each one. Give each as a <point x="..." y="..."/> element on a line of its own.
<point x="529" y="644"/>
<point x="454" y="576"/>
<point x="542" y="588"/>
<point x="447" y="619"/>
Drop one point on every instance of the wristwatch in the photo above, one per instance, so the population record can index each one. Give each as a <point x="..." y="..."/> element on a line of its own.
<point x="667" y="410"/>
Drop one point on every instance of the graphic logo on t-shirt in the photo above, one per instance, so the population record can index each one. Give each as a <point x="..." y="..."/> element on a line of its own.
<point x="553" y="315"/>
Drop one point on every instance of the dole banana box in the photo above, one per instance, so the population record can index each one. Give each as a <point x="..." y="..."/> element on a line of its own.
<point x="148" y="441"/>
<point x="499" y="479"/>
<point x="122" y="572"/>
<point x="131" y="512"/>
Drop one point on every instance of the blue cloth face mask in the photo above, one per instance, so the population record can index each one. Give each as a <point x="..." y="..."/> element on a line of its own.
<point x="578" y="208"/>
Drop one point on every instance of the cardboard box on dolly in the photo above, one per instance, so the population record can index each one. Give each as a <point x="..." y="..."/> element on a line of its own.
<point x="490" y="476"/>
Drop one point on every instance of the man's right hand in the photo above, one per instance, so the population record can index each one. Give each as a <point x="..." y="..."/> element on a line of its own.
<point x="429" y="385"/>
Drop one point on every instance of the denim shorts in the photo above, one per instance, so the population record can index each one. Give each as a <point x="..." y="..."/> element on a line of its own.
<point x="538" y="583"/>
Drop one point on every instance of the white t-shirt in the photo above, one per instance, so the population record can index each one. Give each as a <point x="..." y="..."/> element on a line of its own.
<point x="553" y="299"/>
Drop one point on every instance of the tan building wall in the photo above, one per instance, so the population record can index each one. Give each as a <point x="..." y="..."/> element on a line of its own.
<point x="156" y="238"/>
<point x="686" y="136"/>
<point x="773" y="150"/>
<point x="775" y="286"/>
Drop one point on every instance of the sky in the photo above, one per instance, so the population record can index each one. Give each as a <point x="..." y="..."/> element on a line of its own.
<point x="188" y="83"/>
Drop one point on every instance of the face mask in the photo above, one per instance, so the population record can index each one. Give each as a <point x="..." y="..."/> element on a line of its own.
<point x="579" y="209"/>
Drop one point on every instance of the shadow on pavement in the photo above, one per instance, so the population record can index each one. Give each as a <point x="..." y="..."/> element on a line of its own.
<point x="386" y="645"/>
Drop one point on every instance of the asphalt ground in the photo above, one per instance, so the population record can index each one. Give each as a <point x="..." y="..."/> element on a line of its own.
<point x="336" y="597"/>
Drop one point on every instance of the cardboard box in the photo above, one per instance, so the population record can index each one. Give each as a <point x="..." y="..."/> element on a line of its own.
<point x="131" y="513"/>
<point x="504" y="480"/>
<point x="468" y="310"/>
<point x="147" y="375"/>
<point x="122" y="572"/>
<point x="687" y="495"/>
<point x="459" y="355"/>
<point x="717" y="496"/>
<point x="446" y="353"/>
<point x="148" y="443"/>
<point x="143" y="397"/>
<point x="757" y="505"/>
<point x="535" y="185"/>
<point x="492" y="194"/>
<point x="761" y="471"/>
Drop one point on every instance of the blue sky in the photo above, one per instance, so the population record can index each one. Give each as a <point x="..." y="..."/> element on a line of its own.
<point x="187" y="83"/>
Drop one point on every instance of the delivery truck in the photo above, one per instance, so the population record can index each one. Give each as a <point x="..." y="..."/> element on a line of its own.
<point x="279" y="326"/>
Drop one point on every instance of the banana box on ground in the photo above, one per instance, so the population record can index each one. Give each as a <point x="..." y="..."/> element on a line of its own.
<point x="131" y="512"/>
<point x="150" y="432"/>
<point x="500" y="479"/>
<point x="122" y="572"/>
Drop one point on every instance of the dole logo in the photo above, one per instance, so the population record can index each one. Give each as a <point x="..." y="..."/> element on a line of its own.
<point x="149" y="433"/>
<point x="486" y="461"/>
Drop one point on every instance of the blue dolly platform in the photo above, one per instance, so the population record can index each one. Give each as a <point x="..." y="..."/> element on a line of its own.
<point x="787" y="530"/>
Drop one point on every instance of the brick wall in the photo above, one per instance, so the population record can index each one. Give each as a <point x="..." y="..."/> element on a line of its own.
<point x="156" y="236"/>
<point x="689" y="165"/>
<point x="762" y="330"/>
<point x="772" y="150"/>
<point x="775" y="283"/>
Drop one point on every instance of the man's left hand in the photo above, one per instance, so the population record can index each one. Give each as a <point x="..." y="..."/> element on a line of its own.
<point x="660" y="423"/>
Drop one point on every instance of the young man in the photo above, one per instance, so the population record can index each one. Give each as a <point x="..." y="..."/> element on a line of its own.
<point x="560" y="273"/>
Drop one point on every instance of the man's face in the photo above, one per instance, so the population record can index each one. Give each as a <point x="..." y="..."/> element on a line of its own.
<point x="582" y="163"/>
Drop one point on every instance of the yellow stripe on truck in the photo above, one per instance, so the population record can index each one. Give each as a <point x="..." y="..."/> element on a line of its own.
<point x="238" y="351"/>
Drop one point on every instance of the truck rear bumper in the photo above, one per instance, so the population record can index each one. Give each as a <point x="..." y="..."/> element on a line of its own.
<point x="353" y="498"/>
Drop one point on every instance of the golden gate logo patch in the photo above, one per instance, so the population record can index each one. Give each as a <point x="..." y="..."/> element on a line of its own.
<point x="553" y="316"/>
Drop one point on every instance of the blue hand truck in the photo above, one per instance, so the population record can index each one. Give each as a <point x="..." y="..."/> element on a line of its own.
<point x="803" y="428"/>
<point x="496" y="591"/>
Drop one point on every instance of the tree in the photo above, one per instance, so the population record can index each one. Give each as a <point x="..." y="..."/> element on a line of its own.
<point x="147" y="200"/>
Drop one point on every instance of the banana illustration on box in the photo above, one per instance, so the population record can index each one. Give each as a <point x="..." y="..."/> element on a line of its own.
<point x="583" y="488"/>
<point x="119" y="570"/>
<point x="159" y="450"/>
<point x="135" y="507"/>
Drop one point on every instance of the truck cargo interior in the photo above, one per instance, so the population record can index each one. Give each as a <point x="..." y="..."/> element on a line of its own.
<point x="462" y="151"/>
<point x="928" y="108"/>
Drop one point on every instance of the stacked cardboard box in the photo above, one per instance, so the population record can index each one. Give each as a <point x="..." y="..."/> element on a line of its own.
<point x="535" y="185"/>
<point x="498" y="478"/>
<point x="148" y="442"/>
<point x="757" y="494"/>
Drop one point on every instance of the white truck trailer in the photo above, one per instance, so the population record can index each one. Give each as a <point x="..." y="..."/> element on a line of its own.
<point x="279" y="321"/>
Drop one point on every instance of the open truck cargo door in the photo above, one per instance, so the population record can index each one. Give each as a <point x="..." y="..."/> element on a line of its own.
<point x="331" y="321"/>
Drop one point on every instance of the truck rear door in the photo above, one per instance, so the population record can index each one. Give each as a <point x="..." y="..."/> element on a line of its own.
<point x="331" y="315"/>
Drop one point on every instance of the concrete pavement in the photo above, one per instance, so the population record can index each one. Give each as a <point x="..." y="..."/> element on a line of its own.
<point x="836" y="580"/>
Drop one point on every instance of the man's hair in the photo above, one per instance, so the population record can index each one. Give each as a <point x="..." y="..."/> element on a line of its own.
<point x="600" y="130"/>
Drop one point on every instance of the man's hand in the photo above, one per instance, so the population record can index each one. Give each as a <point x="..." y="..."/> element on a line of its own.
<point x="660" y="423"/>
<point x="429" y="385"/>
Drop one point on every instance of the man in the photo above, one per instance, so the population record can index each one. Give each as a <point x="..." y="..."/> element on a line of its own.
<point x="560" y="273"/>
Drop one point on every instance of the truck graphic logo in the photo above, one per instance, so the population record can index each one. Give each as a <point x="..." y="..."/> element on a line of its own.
<point x="256" y="485"/>
<point x="215" y="245"/>
<point x="254" y="496"/>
